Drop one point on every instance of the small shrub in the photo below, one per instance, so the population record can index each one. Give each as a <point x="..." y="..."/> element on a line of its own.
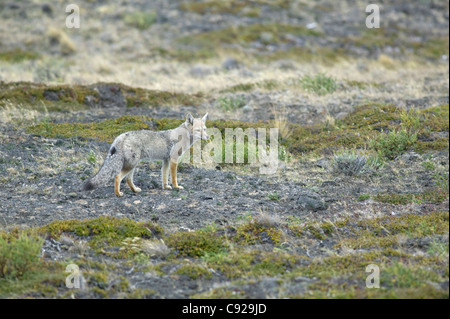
<point x="17" y="55"/>
<point x="354" y="163"/>
<point x="410" y="120"/>
<point x="273" y="196"/>
<point x="429" y="165"/>
<point x="231" y="103"/>
<point x="319" y="84"/>
<point x="193" y="271"/>
<point x="140" y="20"/>
<point x="92" y="158"/>
<point x="363" y="197"/>
<point x="393" y="144"/>
<point x="195" y="244"/>
<point x="19" y="255"/>
<point x="258" y="231"/>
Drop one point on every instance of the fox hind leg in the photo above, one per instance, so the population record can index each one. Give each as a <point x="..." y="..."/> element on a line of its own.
<point x="118" y="179"/>
<point x="165" y="174"/>
<point x="130" y="183"/>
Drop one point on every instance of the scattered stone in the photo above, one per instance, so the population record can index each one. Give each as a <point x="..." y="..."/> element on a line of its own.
<point x="311" y="201"/>
<point x="110" y="95"/>
<point x="230" y="64"/>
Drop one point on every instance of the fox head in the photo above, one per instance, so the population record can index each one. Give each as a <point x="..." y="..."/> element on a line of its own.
<point x="198" y="127"/>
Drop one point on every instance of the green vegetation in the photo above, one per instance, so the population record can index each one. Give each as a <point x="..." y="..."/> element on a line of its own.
<point x="139" y="19"/>
<point x="74" y="97"/>
<point x="363" y="197"/>
<point x="195" y="244"/>
<point x="360" y="130"/>
<point x="19" y="255"/>
<point x="241" y="264"/>
<point x="354" y="163"/>
<point x="105" y="234"/>
<point x="193" y="271"/>
<point x="106" y="131"/>
<point x="393" y="144"/>
<point x="18" y="55"/>
<point x="22" y="271"/>
<point x="255" y="231"/>
<point x="320" y="84"/>
<point x="246" y="87"/>
<point x="92" y="158"/>
<point x="269" y="33"/>
<point x="434" y="196"/>
<point x="216" y="250"/>
<point x="230" y="104"/>
<point x="384" y="231"/>
<point x="209" y="44"/>
<point x="273" y="196"/>
<point x="245" y="8"/>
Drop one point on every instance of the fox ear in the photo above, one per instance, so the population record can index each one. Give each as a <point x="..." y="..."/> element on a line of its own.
<point x="189" y="119"/>
<point x="204" y="117"/>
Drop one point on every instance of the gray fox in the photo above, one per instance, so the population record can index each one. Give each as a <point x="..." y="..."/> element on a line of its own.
<point x="129" y="148"/>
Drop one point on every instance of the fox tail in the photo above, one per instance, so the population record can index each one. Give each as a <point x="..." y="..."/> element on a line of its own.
<point x="110" y="168"/>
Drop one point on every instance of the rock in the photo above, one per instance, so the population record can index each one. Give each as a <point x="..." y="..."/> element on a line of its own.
<point x="285" y="65"/>
<point x="310" y="200"/>
<point x="47" y="9"/>
<point x="266" y="37"/>
<point x="200" y="70"/>
<point x="409" y="157"/>
<point x="110" y="95"/>
<point x="64" y="240"/>
<point x="230" y="64"/>
<point x="329" y="183"/>
<point x="51" y="95"/>
<point x="247" y="108"/>
<point x="323" y="163"/>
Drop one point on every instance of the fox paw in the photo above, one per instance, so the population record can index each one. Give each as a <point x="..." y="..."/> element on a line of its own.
<point x="179" y="187"/>
<point x="137" y="190"/>
<point x="119" y="194"/>
<point x="167" y="187"/>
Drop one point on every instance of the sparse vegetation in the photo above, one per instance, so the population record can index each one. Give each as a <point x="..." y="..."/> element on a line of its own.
<point x="319" y="84"/>
<point x="139" y="19"/>
<point x="392" y="144"/>
<point x="354" y="163"/>
<point x="19" y="255"/>
<point x="18" y="55"/>
<point x="230" y="104"/>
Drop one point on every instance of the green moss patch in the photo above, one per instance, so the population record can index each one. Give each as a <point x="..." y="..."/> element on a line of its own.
<point x="383" y="231"/>
<point x="254" y="232"/>
<point x="18" y="55"/>
<point x="434" y="196"/>
<point x="213" y="41"/>
<point x="63" y="97"/>
<point x="104" y="234"/>
<point x="195" y="244"/>
<point x="193" y="271"/>
<point x="22" y="272"/>
<point x="366" y="128"/>
<point x="246" y="264"/>
<point x="245" y="7"/>
<point x="362" y="129"/>
<point x="107" y="130"/>
<point x="42" y="97"/>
